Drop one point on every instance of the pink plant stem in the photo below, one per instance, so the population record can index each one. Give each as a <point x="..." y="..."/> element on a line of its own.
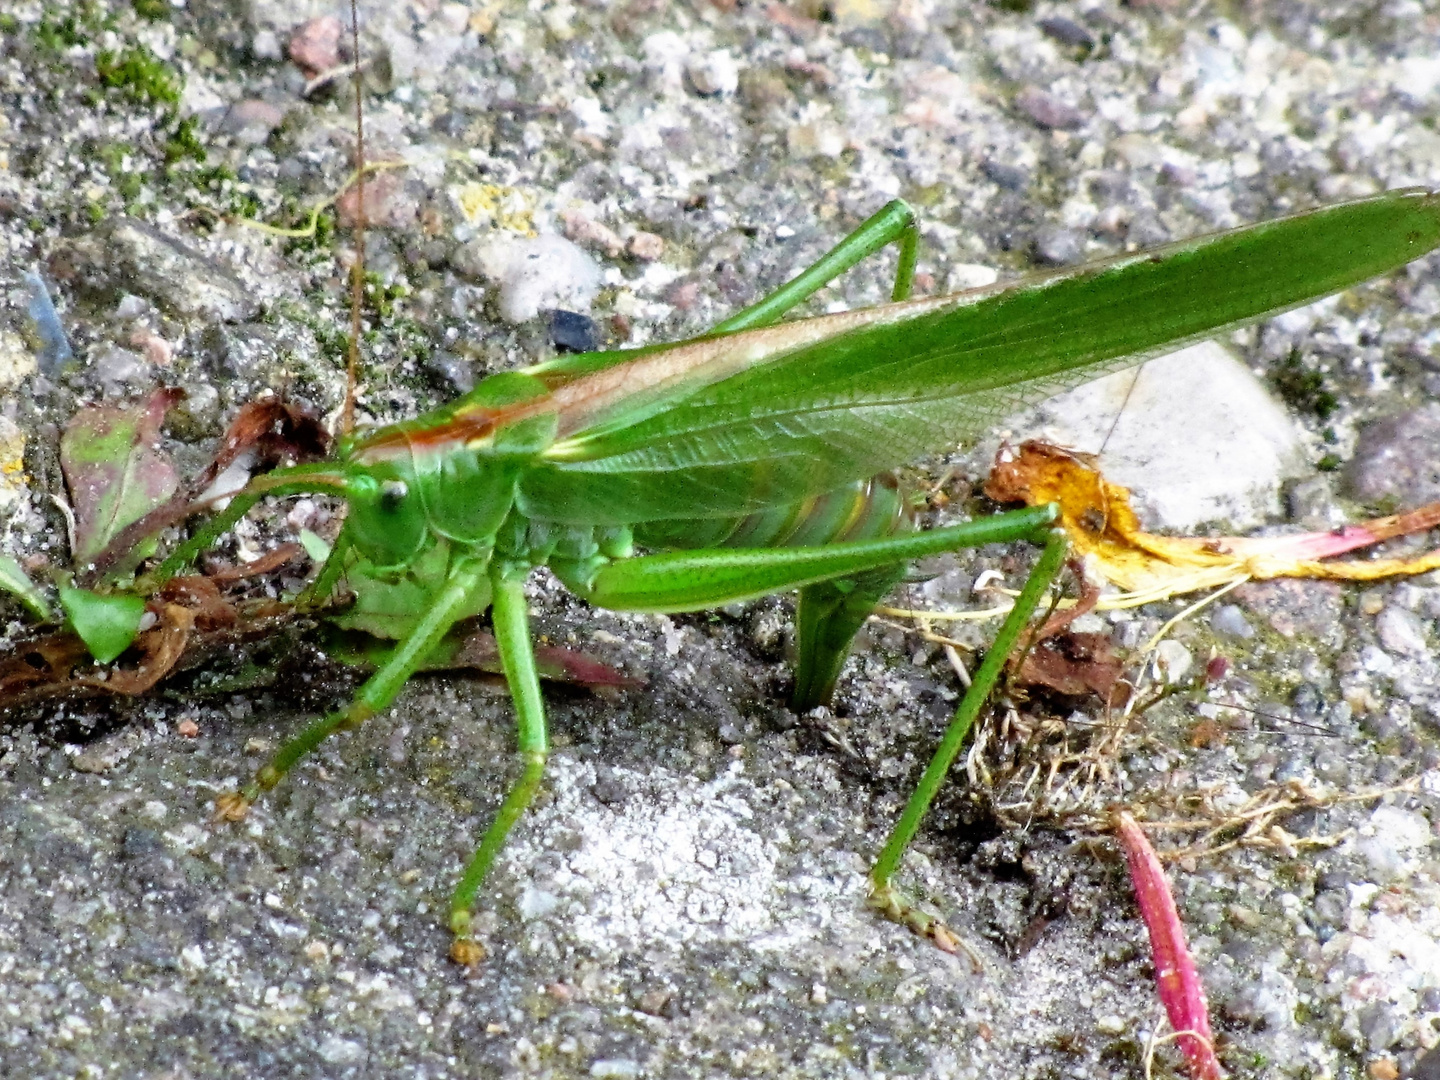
<point x="1175" y="974"/>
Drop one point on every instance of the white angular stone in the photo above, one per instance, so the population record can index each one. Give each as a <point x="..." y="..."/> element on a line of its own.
<point x="1198" y="438"/>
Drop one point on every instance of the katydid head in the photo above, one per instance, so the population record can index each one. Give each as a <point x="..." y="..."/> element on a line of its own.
<point x="451" y="473"/>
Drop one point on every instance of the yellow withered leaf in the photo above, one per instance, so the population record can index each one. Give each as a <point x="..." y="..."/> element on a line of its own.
<point x="1101" y="525"/>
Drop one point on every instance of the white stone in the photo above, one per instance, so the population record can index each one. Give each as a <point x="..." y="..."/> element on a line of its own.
<point x="1173" y="660"/>
<point x="964" y="276"/>
<point x="713" y="72"/>
<point x="536" y="273"/>
<point x="1196" y="437"/>
<point x="1401" y="631"/>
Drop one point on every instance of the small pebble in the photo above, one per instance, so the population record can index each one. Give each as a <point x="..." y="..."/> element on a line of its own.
<point x="265" y="45"/>
<point x="645" y="246"/>
<point x="615" y="1068"/>
<point x="251" y="121"/>
<point x="1010" y="177"/>
<point x="1049" y="111"/>
<point x="572" y="332"/>
<point x="1173" y="660"/>
<point x="388" y="203"/>
<point x="1056" y="246"/>
<point x="820" y="139"/>
<point x="1376" y="660"/>
<point x="1229" y="619"/>
<point x="1067" y="33"/>
<point x="1399" y="459"/>
<point x="713" y="73"/>
<point x="591" y="234"/>
<point x="1401" y="631"/>
<point x="314" y="47"/>
<point x="118" y="368"/>
<point x="1390" y="838"/>
<point x="964" y="276"/>
<point x="1110" y="1025"/>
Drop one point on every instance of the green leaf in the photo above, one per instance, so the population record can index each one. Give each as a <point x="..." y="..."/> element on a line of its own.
<point x="315" y="546"/>
<point x="17" y="583"/>
<point x="115" y="470"/>
<point x="107" y="623"/>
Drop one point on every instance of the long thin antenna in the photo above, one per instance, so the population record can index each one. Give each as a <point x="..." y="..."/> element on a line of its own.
<point x="357" y="265"/>
<point x="1114" y="423"/>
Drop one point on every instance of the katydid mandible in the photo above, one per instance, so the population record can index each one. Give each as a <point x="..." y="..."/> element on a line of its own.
<point x="755" y="460"/>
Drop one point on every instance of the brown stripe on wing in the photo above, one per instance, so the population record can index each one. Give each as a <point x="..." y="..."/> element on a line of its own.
<point x="662" y="374"/>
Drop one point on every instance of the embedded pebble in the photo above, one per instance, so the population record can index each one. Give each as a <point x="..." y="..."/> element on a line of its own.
<point x="1376" y="660"/>
<point x="964" y="276"/>
<point x="713" y="73"/>
<point x="251" y="121"/>
<point x="572" y="332"/>
<point x="1193" y="435"/>
<point x="118" y="368"/>
<point x="1049" y="111"/>
<point x="592" y="234"/>
<point x="645" y="246"/>
<point x="820" y="139"/>
<point x="615" y="1069"/>
<point x="1173" y="659"/>
<point x="1010" y="177"/>
<point x="1229" y="619"/>
<point x="314" y="47"/>
<point x="388" y="203"/>
<point x="1428" y="1067"/>
<point x="1390" y="839"/>
<point x="337" y="1051"/>
<point x="1067" y="32"/>
<point x="1056" y="246"/>
<point x="532" y="273"/>
<point x="1401" y="631"/>
<point x="1399" y="459"/>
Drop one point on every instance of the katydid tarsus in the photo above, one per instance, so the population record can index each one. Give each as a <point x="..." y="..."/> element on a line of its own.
<point x="755" y="460"/>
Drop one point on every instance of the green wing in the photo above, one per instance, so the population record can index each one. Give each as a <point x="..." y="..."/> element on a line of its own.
<point x="729" y="425"/>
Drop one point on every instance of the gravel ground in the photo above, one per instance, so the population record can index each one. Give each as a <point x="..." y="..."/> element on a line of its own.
<point x="688" y="897"/>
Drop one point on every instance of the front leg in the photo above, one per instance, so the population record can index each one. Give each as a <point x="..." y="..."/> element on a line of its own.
<point x="378" y="691"/>
<point x="517" y="658"/>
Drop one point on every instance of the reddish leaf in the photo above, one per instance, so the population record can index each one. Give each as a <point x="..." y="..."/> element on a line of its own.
<point x="202" y="596"/>
<point x="1076" y="665"/>
<point x="275" y="431"/>
<point x="115" y="470"/>
<point x="1175" y="976"/>
<point x="553" y="662"/>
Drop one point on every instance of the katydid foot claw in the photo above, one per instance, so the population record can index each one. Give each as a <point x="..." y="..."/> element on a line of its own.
<point x="888" y="901"/>
<point x="464" y="950"/>
<point x="467" y="952"/>
<point x="232" y="806"/>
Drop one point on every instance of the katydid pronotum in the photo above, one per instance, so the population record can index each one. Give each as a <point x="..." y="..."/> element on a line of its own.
<point x="754" y="460"/>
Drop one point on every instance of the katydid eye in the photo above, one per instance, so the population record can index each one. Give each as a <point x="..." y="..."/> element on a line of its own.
<point x="392" y="494"/>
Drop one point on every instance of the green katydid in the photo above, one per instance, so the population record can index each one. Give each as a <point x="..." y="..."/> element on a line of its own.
<point x="754" y="460"/>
